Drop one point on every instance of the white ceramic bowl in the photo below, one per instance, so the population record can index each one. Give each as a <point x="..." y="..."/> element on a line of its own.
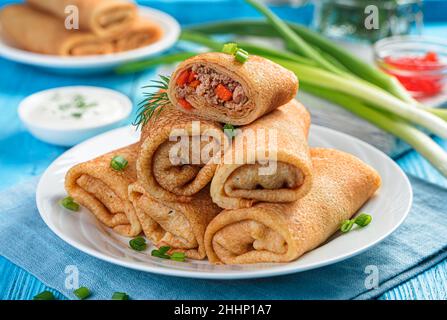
<point x="70" y="135"/>
<point x="98" y="63"/>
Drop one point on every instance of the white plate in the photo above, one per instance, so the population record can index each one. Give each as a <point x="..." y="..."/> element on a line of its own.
<point x="388" y="208"/>
<point x="98" y="63"/>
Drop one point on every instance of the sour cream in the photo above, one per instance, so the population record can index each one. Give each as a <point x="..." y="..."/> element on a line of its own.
<point x="67" y="111"/>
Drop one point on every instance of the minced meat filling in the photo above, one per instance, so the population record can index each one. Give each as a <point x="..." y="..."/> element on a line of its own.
<point x="216" y="88"/>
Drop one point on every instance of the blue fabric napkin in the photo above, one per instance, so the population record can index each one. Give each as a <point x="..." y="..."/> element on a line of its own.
<point x="418" y="244"/>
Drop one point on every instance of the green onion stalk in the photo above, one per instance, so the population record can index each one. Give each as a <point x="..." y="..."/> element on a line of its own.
<point x="294" y="40"/>
<point x="372" y="95"/>
<point x="350" y="61"/>
<point x="421" y="142"/>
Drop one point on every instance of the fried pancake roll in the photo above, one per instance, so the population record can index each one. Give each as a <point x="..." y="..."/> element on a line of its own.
<point x="217" y="87"/>
<point x="141" y="33"/>
<point x="35" y="31"/>
<point x="180" y="226"/>
<point x="102" y="17"/>
<point x="104" y="191"/>
<point x="270" y="232"/>
<point x="177" y="153"/>
<point x="269" y="161"/>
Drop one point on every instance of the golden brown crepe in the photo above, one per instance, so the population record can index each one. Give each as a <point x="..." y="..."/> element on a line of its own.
<point x="168" y="180"/>
<point x="141" y="33"/>
<point x="104" y="191"/>
<point x="102" y="17"/>
<point x="180" y="226"/>
<point x="270" y="232"/>
<point x="39" y="32"/>
<point x="240" y="184"/>
<point x="256" y="87"/>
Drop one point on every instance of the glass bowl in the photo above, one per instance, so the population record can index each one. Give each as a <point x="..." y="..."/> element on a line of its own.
<point x="418" y="62"/>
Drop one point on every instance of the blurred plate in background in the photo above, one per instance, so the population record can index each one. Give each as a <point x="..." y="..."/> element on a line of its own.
<point x="98" y="63"/>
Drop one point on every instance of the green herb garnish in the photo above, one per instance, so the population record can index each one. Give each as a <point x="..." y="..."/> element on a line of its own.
<point x="44" y="295"/>
<point x="118" y="163"/>
<point x="230" y="48"/>
<point x="120" y="296"/>
<point x="82" y="293"/>
<point x="153" y="102"/>
<point x="346" y="226"/>
<point x="239" y="54"/>
<point x="138" y="244"/>
<point x="162" y="252"/>
<point x="229" y="130"/>
<point x="178" y="256"/>
<point x="361" y="221"/>
<point x="69" y="203"/>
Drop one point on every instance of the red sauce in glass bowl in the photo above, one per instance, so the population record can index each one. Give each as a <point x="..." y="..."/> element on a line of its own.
<point x="421" y="75"/>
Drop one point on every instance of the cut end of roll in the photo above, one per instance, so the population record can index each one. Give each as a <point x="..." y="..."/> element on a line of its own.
<point x="216" y="86"/>
<point x="282" y="232"/>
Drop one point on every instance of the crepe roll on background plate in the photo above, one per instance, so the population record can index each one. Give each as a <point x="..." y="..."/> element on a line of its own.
<point x="39" y="32"/>
<point x="216" y="86"/>
<point x="175" y="160"/>
<point x="180" y="226"/>
<point x="270" y="232"/>
<point x="141" y="33"/>
<point x="274" y="167"/>
<point x="102" y="17"/>
<point x="104" y="191"/>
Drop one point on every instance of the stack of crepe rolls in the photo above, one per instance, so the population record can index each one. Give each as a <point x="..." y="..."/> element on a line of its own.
<point x="161" y="144"/>
<point x="40" y="32"/>
<point x="194" y="200"/>
<point x="104" y="191"/>
<point x="270" y="161"/>
<point x="217" y="87"/>
<point x="273" y="232"/>
<point x="105" y="27"/>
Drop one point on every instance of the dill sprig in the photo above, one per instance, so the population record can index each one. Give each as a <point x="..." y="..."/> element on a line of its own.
<point x="153" y="102"/>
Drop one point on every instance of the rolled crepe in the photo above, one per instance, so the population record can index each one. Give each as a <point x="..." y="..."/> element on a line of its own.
<point x="169" y="178"/>
<point x="141" y="33"/>
<point x="241" y="182"/>
<point x="104" y="191"/>
<point x="178" y="225"/>
<point x="217" y="87"/>
<point x="271" y="232"/>
<point x="102" y="17"/>
<point x="39" y="32"/>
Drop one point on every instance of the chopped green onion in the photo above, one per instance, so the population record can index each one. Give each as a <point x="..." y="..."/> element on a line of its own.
<point x="138" y="244"/>
<point x="241" y="55"/>
<point x="118" y="163"/>
<point x="158" y="254"/>
<point x="363" y="220"/>
<point x="120" y="296"/>
<point x="230" y="48"/>
<point x="69" y="203"/>
<point x="164" y="249"/>
<point x="162" y="252"/>
<point x="45" y="295"/>
<point x="82" y="293"/>
<point x="346" y="226"/>
<point x="178" y="256"/>
<point x="229" y="130"/>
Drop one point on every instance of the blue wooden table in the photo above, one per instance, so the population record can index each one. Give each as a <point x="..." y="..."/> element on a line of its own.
<point x="22" y="156"/>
